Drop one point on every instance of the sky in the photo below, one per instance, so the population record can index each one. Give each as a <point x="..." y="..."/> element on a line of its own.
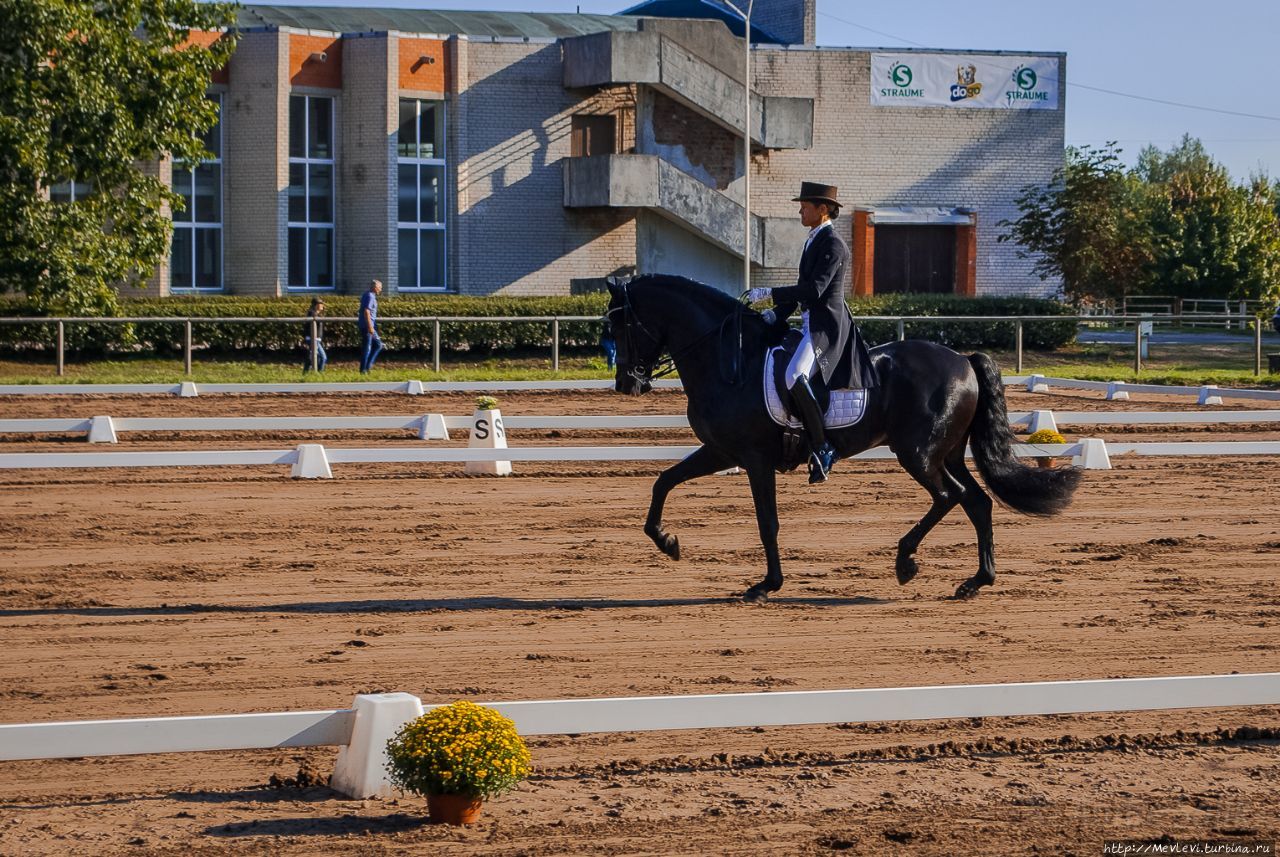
<point x="1219" y="55"/>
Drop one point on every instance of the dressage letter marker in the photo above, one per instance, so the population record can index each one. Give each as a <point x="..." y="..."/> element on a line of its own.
<point x="487" y="433"/>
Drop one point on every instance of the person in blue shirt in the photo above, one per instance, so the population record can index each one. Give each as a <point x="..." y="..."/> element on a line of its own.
<point x="370" y="342"/>
<point x="315" y="312"/>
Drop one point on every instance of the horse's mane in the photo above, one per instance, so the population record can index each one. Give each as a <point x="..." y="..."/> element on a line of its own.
<point x="710" y="296"/>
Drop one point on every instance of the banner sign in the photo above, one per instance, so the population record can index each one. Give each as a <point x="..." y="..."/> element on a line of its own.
<point x="996" y="81"/>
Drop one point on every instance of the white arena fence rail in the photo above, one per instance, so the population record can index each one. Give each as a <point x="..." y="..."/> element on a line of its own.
<point x="1206" y="395"/>
<point x="311" y="460"/>
<point x="103" y="429"/>
<point x="363" y="730"/>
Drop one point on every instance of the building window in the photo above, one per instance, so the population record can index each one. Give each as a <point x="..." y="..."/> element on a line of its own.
<point x="70" y="191"/>
<point x="311" y="192"/>
<point x="195" y="258"/>
<point x="421" y="195"/>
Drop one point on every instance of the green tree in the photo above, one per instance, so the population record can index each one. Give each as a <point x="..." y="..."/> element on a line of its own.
<point x="1214" y="238"/>
<point x="90" y="90"/>
<point x="1086" y="226"/>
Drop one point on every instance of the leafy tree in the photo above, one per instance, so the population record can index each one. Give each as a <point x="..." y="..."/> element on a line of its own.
<point x="1214" y="238"/>
<point x="1086" y="226"/>
<point x="89" y="91"/>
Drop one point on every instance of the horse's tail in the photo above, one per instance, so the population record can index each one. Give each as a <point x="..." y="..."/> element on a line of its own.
<point x="1031" y="490"/>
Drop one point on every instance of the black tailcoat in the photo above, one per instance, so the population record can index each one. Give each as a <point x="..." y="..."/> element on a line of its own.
<point x="820" y="290"/>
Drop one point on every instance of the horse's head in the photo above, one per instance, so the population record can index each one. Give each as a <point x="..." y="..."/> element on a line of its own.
<point x="639" y="347"/>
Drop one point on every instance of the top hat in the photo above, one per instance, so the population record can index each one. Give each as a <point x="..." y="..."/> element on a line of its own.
<point x="814" y="192"/>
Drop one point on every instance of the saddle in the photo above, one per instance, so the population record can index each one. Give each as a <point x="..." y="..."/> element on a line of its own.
<point x="840" y="408"/>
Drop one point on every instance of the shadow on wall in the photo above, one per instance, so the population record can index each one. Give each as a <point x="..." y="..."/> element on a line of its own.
<point x="519" y="124"/>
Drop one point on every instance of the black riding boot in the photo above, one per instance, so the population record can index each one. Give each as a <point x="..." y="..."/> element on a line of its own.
<point x="822" y="455"/>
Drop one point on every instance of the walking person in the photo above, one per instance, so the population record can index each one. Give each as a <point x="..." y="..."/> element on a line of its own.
<point x="370" y="342"/>
<point x="315" y="312"/>
<point x="827" y="323"/>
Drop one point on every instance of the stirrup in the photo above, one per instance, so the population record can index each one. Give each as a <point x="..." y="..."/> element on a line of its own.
<point x="821" y="460"/>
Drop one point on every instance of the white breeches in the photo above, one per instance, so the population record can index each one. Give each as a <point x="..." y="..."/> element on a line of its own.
<point x="802" y="362"/>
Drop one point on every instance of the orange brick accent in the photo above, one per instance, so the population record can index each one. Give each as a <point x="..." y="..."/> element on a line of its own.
<point x="303" y="71"/>
<point x="863" y="250"/>
<point x="205" y="38"/>
<point x="415" y="74"/>
<point x="967" y="259"/>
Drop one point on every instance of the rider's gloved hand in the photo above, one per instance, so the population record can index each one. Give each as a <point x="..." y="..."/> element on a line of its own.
<point x="754" y="295"/>
<point x="768" y="316"/>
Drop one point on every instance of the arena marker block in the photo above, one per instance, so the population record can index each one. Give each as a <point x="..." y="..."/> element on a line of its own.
<point x="487" y="432"/>
<point x="1041" y="420"/>
<point x="433" y="428"/>
<point x="1115" y="394"/>
<point x="1036" y="384"/>
<point x="361" y="770"/>
<point x="102" y="430"/>
<point x="413" y="388"/>
<point x="1209" y="395"/>
<point x="1093" y="455"/>
<point x="312" y="463"/>
<point x="188" y="390"/>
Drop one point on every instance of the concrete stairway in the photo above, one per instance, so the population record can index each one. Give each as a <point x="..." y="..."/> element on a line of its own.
<point x="648" y="181"/>
<point x="680" y="69"/>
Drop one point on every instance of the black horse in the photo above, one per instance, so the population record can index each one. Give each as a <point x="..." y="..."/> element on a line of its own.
<point x="931" y="402"/>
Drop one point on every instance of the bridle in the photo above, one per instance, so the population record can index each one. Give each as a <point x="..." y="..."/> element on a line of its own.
<point x="645" y="371"/>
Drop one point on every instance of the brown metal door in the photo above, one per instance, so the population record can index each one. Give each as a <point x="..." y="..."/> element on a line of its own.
<point x="915" y="259"/>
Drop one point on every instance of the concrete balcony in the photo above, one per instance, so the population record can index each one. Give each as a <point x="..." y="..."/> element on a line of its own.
<point x="654" y="59"/>
<point x="647" y="181"/>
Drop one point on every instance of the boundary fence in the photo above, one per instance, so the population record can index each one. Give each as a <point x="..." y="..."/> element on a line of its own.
<point x="362" y="731"/>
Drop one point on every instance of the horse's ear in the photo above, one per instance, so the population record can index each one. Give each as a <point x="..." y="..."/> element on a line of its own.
<point x="614" y="289"/>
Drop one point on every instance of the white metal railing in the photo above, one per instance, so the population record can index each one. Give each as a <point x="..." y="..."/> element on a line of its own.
<point x="427" y="425"/>
<point x="1242" y="319"/>
<point x="363" y="730"/>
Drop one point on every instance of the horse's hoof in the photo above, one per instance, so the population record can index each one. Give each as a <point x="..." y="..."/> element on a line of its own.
<point x="671" y="547"/>
<point x="968" y="590"/>
<point x="755" y="596"/>
<point x="906" y="569"/>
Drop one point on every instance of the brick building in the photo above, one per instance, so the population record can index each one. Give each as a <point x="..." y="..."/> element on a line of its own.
<point x="530" y="153"/>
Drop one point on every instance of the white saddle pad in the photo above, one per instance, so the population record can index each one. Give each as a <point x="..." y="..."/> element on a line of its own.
<point x="845" y="409"/>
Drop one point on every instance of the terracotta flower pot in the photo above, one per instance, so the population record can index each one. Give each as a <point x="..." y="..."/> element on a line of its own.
<point x="1045" y="461"/>
<point x="454" y="809"/>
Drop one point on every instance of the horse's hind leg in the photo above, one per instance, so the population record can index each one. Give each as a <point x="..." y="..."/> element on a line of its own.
<point x="701" y="462"/>
<point x="945" y="491"/>
<point x="977" y="505"/>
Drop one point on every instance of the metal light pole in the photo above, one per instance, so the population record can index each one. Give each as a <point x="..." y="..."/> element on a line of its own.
<point x="746" y="144"/>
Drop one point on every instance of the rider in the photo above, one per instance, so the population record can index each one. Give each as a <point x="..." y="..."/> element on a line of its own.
<point x="819" y="291"/>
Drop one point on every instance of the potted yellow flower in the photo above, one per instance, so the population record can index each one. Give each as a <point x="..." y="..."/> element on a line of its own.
<point x="1045" y="436"/>
<point x="457" y="755"/>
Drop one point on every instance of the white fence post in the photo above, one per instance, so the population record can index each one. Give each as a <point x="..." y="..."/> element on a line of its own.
<point x="1209" y="395"/>
<point x="312" y="463"/>
<point x="1041" y="420"/>
<point x="1093" y="455"/>
<point x="102" y="430"/>
<point x="433" y="428"/>
<point x="361" y="770"/>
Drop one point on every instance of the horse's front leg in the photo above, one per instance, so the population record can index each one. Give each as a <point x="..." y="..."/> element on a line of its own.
<point x="701" y="462"/>
<point x="764" y="491"/>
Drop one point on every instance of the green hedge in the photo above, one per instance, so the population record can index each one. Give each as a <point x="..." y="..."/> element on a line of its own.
<point x="484" y="337"/>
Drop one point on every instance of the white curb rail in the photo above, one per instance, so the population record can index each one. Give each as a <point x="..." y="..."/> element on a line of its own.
<point x="363" y="731"/>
